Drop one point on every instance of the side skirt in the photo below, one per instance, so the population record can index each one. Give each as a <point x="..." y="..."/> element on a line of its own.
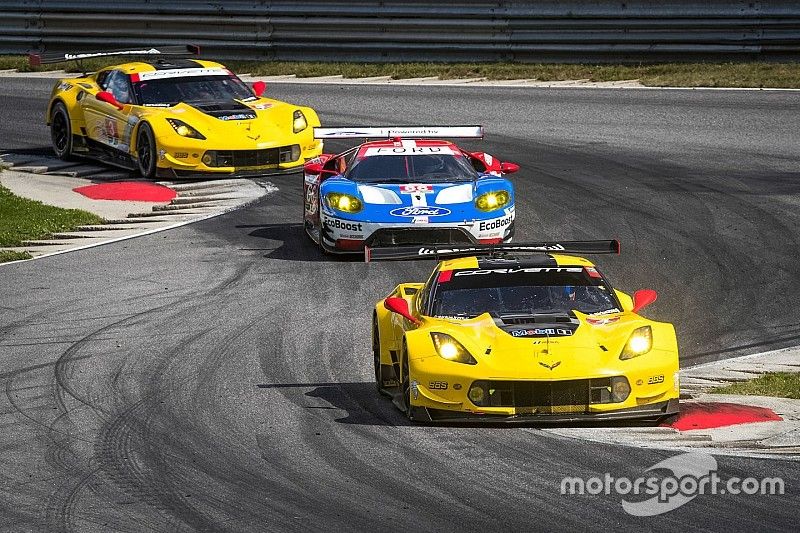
<point x="101" y="152"/>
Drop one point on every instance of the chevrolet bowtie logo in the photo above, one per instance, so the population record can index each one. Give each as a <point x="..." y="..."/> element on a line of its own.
<point x="550" y="367"/>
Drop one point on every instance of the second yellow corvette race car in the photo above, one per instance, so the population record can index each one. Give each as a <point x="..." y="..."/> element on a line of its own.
<point x="521" y="333"/>
<point x="176" y="117"/>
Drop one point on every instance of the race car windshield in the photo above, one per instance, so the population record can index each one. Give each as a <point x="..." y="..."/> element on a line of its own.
<point x="423" y="168"/>
<point x="191" y="89"/>
<point x="521" y="291"/>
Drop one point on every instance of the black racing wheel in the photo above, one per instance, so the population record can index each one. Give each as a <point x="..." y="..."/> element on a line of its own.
<point x="146" y="151"/>
<point x="61" y="132"/>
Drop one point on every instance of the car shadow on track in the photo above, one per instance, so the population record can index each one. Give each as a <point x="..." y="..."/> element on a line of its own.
<point x="365" y="406"/>
<point x="359" y="400"/>
<point x="295" y="245"/>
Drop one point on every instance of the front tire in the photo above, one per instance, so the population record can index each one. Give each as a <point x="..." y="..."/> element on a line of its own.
<point x="61" y="132"/>
<point x="146" y="151"/>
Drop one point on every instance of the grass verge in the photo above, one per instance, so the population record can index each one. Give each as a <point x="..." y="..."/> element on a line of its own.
<point x="780" y="384"/>
<point x="22" y="219"/>
<point x="731" y="74"/>
<point x="8" y="255"/>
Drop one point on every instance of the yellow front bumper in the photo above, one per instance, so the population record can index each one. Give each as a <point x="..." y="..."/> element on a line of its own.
<point x="444" y="386"/>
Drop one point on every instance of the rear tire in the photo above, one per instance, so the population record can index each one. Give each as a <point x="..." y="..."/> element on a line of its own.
<point x="146" y="151"/>
<point x="61" y="132"/>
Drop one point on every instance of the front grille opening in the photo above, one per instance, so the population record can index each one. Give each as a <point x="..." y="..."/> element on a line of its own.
<point x="410" y="236"/>
<point x="545" y="394"/>
<point x="252" y="158"/>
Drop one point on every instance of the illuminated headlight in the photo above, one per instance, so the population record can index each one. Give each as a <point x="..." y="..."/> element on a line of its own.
<point x="492" y="201"/>
<point x="184" y="130"/>
<point x="639" y="343"/>
<point x="343" y="202"/>
<point x="452" y="350"/>
<point x="620" y="389"/>
<point x="299" y="122"/>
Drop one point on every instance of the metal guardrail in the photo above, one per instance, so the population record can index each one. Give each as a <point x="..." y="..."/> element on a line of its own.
<point x="372" y="31"/>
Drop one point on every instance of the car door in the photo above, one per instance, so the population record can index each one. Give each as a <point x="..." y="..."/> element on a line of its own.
<point x="106" y="123"/>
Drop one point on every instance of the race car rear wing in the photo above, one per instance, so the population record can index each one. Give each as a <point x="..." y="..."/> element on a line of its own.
<point x="449" y="251"/>
<point x="36" y="60"/>
<point x="409" y="132"/>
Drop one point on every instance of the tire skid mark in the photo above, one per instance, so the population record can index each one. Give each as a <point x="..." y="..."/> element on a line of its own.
<point x="729" y="265"/>
<point x="116" y="450"/>
<point x="336" y="456"/>
<point x="64" y="394"/>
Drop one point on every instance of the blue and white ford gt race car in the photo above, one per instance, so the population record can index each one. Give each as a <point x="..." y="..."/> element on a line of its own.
<point x="408" y="188"/>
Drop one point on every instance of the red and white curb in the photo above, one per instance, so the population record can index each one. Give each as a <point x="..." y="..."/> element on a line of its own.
<point x="138" y="208"/>
<point x="754" y="426"/>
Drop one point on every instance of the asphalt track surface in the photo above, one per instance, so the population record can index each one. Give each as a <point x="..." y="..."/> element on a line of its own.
<point x="217" y="377"/>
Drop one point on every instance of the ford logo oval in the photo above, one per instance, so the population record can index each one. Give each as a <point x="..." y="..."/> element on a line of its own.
<point x="419" y="211"/>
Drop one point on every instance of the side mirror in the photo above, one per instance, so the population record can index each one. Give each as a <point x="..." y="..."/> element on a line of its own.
<point x="625" y="300"/>
<point x="107" y="97"/>
<point x="509" y="168"/>
<point x="400" y="306"/>
<point x="259" y="87"/>
<point x="643" y="298"/>
<point x="312" y="168"/>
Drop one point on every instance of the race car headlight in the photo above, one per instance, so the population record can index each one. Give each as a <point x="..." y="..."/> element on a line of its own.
<point x="299" y="122"/>
<point x="184" y="130"/>
<point x="452" y="350"/>
<point x="492" y="201"/>
<point x="639" y="343"/>
<point x="343" y="202"/>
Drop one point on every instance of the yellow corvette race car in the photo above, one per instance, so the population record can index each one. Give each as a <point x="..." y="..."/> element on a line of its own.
<point x="176" y="117"/>
<point x="521" y="333"/>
